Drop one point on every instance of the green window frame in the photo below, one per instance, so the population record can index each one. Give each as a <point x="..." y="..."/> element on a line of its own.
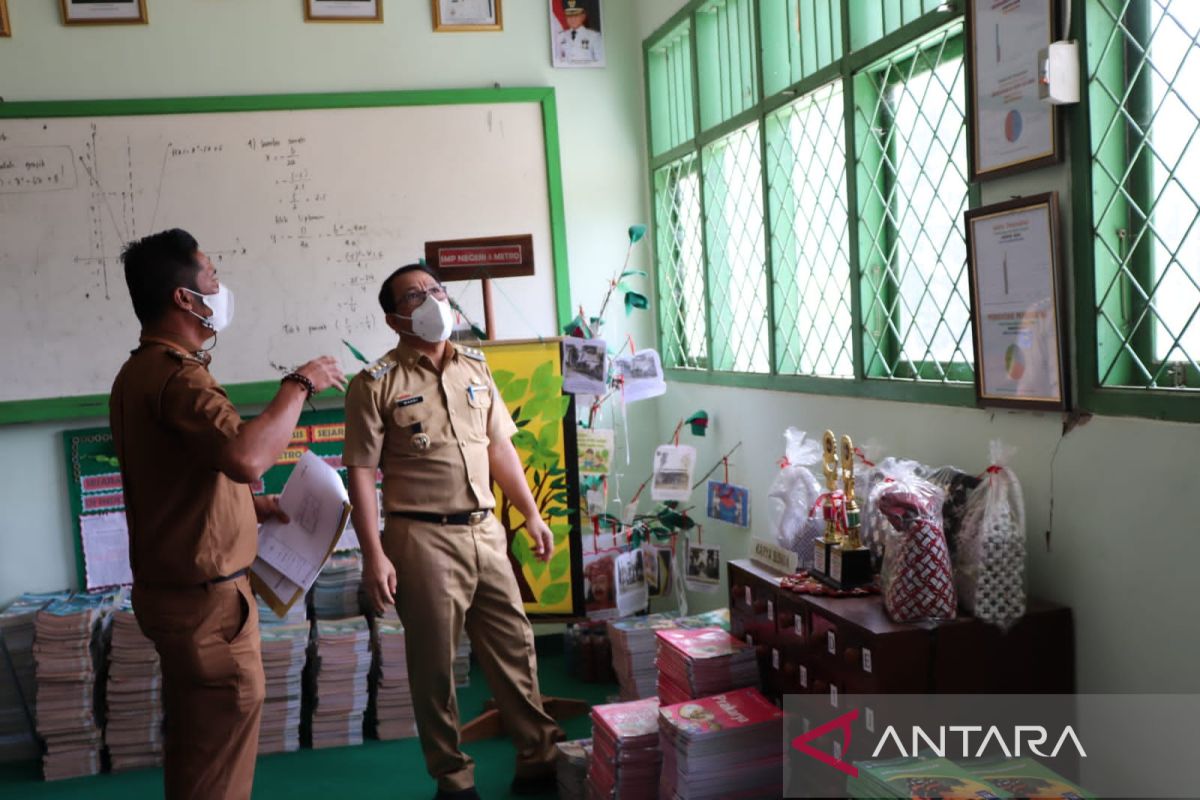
<point x="1136" y="137"/>
<point x="782" y="309"/>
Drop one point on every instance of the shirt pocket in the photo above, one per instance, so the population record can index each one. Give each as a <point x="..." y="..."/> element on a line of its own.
<point x="479" y="399"/>
<point x="414" y="434"/>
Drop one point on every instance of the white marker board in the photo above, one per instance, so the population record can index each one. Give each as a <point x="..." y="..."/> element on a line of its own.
<point x="303" y="210"/>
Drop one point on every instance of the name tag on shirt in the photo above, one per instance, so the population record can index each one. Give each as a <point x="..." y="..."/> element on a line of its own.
<point x="409" y="401"/>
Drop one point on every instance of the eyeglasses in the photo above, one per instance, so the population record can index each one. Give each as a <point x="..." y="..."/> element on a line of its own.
<point x="415" y="297"/>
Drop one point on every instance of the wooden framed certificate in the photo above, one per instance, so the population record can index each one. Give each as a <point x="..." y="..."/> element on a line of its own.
<point x="1013" y="255"/>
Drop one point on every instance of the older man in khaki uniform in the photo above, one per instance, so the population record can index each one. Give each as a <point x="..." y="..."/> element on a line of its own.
<point x="429" y="415"/>
<point x="186" y="458"/>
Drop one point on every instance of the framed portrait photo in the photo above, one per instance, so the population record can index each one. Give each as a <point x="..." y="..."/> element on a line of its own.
<point x="465" y="16"/>
<point x="1012" y="128"/>
<point x="5" y="29"/>
<point x="1013" y="255"/>
<point x="576" y="34"/>
<point x="343" y="10"/>
<point x="104" y="12"/>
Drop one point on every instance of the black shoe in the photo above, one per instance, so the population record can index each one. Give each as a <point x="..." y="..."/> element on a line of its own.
<point x="461" y="794"/>
<point x="527" y="785"/>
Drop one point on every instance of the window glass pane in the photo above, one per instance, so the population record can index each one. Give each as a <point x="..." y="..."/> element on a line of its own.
<point x="733" y="211"/>
<point x="806" y="169"/>
<point x="680" y="264"/>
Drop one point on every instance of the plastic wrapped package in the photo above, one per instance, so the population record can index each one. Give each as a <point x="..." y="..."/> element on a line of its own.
<point x="867" y="460"/>
<point x="874" y="524"/>
<point x="990" y="559"/>
<point x="959" y="487"/>
<point x="793" y="494"/>
<point x="917" y="580"/>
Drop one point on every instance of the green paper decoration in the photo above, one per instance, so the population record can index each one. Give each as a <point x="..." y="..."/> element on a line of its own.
<point x="355" y="352"/>
<point x="635" y="300"/>
<point x="698" y="423"/>
<point x="636" y="232"/>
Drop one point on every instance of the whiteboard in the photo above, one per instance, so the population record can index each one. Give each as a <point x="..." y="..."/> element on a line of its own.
<point x="304" y="212"/>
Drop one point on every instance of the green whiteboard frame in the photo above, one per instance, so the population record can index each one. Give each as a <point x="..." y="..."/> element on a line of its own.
<point x="49" y="409"/>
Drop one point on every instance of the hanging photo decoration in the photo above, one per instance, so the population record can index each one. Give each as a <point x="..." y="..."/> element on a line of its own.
<point x="729" y="503"/>
<point x="673" y="468"/>
<point x="659" y="569"/>
<point x="595" y="451"/>
<point x="599" y="576"/>
<point x="641" y="374"/>
<point x="632" y="596"/>
<point x="703" y="565"/>
<point x="585" y="366"/>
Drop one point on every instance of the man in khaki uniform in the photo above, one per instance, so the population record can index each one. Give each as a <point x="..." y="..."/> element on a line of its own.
<point x="429" y="415"/>
<point x="186" y="458"/>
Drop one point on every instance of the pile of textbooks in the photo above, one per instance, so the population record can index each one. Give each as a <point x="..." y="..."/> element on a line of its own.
<point x="284" y="653"/>
<point x="133" y="729"/>
<point x="335" y="591"/>
<point x="698" y="662"/>
<point x="633" y="646"/>
<point x="17" y="739"/>
<point x="391" y="709"/>
<point x="68" y="654"/>
<point x="626" y="755"/>
<point x="338" y="664"/>
<point x="727" y="745"/>
<point x="572" y="768"/>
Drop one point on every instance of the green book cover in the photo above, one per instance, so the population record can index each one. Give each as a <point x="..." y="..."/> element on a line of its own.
<point x="1025" y="777"/>
<point x="920" y="778"/>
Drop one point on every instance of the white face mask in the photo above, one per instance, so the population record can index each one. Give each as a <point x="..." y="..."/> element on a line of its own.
<point x="433" y="320"/>
<point x="221" y="306"/>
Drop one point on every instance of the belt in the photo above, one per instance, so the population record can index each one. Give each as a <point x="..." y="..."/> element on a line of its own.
<point x="465" y="518"/>
<point x="233" y="576"/>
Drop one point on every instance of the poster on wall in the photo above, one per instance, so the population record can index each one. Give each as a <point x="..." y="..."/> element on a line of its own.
<point x="103" y="12"/>
<point x="576" y="36"/>
<point x="1012" y="128"/>
<point x="1016" y="300"/>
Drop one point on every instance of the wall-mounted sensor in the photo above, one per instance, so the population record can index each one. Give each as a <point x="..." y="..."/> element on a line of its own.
<point x="1058" y="73"/>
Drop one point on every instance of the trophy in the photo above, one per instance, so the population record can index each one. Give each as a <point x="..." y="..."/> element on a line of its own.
<point x="829" y="507"/>
<point x="849" y="561"/>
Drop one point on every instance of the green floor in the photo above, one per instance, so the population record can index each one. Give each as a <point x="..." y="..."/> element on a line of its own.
<point x="375" y="770"/>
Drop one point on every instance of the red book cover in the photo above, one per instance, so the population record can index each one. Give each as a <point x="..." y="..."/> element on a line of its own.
<point x="631" y="720"/>
<point x="701" y="643"/>
<point x="722" y="712"/>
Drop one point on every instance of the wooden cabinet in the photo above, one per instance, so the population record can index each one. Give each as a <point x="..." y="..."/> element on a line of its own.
<point x="808" y="643"/>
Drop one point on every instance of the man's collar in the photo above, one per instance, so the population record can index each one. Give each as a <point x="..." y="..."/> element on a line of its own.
<point x="410" y="356"/>
<point x="200" y="355"/>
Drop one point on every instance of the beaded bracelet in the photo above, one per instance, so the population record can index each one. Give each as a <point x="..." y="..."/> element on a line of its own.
<point x="302" y="380"/>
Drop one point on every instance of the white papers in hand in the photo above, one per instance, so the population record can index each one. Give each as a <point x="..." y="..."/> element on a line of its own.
<point x="315" y="501"/>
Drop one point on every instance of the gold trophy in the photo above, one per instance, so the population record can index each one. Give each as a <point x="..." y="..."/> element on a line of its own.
<point x="823" y="547"/>
<point x="849" y="561"/>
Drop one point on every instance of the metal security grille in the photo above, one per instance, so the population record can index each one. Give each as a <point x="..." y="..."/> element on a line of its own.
<point x="1144" y="95"/>
<point x="912" y="190"/>
<point x="733" y="216"/>
<point x="806" y="184"/>
<point x="680" y="260"/>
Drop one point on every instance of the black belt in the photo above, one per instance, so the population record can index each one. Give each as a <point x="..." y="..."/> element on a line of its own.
<point x="466" y="518"/>
<point x="233" y="576"/>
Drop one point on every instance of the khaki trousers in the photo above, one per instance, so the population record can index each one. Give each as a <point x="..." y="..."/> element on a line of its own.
<point x="449" y="576"/>
<point x="213" y="685"/>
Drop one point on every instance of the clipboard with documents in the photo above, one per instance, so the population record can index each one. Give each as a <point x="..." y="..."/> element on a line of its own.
<point x="291" y="554"/>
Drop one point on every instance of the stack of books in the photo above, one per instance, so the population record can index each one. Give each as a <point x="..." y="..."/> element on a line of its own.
<point x="339" y="662"/>
<point x="718" y="618"/>
<point x="728" y="745"/>
<point x="68" y="651"/>
<point x="335" y="592"/>
<point x="702" y="661"/>
<point x="572" y="768"/>
<point x="284" y="652"/>
<point x="17" y="698"/>
<point x="938" y="777"/>
<point x="633" y="645"/>
<point x="391" y="713"/>
<point x="133" y="729"/>
<point x="626" y="756"/>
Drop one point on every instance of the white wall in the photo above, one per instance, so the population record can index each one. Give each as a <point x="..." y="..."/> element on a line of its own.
<point x="201" y="47"/>
<point x="1126" y="537"/>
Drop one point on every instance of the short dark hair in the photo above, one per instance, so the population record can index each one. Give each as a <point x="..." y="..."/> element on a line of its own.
<point x="386" y="301"/>
<point x="155" y="267"/>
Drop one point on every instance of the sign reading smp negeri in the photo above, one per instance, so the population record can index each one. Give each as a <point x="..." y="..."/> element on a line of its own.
<point x="481" y="258"/>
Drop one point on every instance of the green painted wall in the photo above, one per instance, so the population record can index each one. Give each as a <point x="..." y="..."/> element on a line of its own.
<point x="1126" y="537"/>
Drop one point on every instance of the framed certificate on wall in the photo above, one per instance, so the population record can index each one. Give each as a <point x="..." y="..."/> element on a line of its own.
<point x="1012" y="128"/>
<point x="1017" y="304"/>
